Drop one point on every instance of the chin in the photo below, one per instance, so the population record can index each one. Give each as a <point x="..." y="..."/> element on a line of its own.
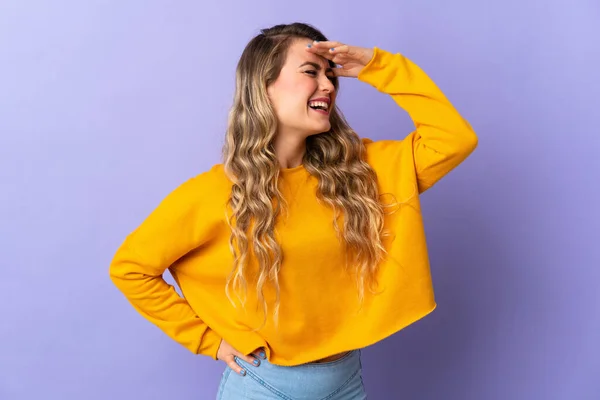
<point x="318" y="130"/>
<point x="315" y="133"/>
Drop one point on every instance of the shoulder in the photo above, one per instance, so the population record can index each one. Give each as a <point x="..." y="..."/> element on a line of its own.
<point x="206" y="188"/>
<point x="393" y="163"/>
<point x="382" y="154"/>
<point x="214" y="177"/>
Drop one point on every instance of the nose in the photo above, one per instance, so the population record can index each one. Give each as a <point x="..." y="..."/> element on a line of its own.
<point x="326" y="85"/>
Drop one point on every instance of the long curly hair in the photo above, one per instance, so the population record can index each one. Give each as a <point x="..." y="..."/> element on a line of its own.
<point x="336" y="158"/>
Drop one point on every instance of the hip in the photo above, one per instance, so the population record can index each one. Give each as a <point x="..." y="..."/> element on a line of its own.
<point x="340" y="378"/>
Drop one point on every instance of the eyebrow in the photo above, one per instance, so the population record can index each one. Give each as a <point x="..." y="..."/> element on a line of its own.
<point x="316" y="66"/>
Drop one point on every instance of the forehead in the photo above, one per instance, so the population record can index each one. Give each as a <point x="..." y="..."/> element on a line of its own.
<point x="297" y="55"/>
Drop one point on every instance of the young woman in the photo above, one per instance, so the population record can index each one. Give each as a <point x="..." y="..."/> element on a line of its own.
<point x="307" y="243"/>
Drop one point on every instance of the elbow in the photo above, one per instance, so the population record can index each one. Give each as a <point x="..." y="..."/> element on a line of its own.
<point x="131" y="283"/>
<point x="122" y="269"/>
<point x="127" y="272"/>
<point x="126" y="266"/>
<point x="472" y="141"/>
<point x="468" y="142"/>
<point x="116" y="274"/>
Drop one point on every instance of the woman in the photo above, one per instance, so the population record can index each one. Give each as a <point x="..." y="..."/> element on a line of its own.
<point x="307" y="243"/>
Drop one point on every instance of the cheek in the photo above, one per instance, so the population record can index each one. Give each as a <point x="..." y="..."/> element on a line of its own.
<point x="309" y="86"/>
<point x="289" y="97"/>
<point x="302" y="85"/>
<point x="296" y="96"/>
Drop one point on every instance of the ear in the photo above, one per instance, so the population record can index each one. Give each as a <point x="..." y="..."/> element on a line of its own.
<point x="270" y="91"/>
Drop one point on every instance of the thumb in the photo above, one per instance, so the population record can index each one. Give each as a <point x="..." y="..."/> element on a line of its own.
<point x="341" y="71"/>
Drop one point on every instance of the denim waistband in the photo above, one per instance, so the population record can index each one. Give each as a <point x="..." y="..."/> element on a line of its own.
<point x="338" y="379"/>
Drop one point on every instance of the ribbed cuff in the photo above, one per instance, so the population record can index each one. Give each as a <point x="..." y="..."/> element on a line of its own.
<point x="210" y="343"/>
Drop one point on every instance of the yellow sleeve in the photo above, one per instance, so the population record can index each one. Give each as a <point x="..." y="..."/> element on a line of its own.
<point x="180" y="223"/>
<point x="442" y="139"/>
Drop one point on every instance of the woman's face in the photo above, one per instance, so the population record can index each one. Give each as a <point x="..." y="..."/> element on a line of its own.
<point x="304" y="78"/>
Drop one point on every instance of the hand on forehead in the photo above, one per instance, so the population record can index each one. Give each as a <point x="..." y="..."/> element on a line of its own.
<point x="300" y="55"/>
<point x="319" y="59"/>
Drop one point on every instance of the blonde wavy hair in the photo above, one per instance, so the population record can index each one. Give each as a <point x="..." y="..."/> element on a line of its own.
<point x="336" y="158"/>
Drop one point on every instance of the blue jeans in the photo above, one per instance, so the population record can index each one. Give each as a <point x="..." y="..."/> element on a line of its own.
<point x="335" y="380"/>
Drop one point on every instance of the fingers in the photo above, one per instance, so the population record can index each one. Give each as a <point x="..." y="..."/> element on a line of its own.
<point x="232" y="358"/>
<point x="330" y="49"/>
<point x="341" y="71"/>
<point x="252" y="359"/>
<point x="326" y="44"/>
<point x="260" y="354"/>
<point x="323" y="49"/>
<point x="234" y="366"/>
<point x="340" y="53"/>
<point x="341" y="49"/>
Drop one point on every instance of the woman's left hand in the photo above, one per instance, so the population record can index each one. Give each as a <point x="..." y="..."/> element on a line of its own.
<point x="351" y="59"/>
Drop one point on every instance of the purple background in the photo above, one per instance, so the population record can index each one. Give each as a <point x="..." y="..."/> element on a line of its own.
<point x="106" y="106"/>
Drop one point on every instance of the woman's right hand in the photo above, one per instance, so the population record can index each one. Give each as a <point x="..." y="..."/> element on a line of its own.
<point x="227" y="354"/>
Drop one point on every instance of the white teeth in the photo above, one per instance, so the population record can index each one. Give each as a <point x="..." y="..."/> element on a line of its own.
<point x="320" y="104"/>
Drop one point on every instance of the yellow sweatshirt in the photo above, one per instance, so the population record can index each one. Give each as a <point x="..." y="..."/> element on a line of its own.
<point x="320" y="314"/>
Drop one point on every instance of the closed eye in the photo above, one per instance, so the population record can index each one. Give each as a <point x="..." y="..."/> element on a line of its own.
<point x="314" y="73"/>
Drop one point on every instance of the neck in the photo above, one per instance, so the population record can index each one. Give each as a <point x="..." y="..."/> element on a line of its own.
<point x="289" y="150"/>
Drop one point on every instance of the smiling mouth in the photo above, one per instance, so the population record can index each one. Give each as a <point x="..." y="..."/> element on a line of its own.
<point x="324" y="112"/>
<point x="321" y="107"/>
